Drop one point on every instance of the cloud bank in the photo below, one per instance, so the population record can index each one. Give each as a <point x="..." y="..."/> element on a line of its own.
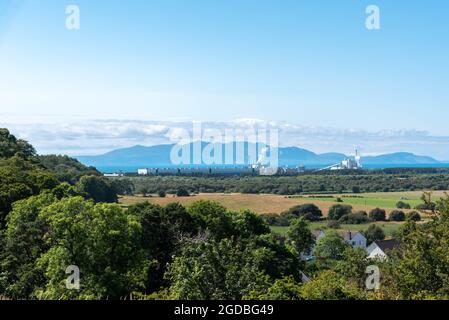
<point x="95" y="136"/>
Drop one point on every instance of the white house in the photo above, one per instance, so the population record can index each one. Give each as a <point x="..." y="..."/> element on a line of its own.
<point x="380" y="249"/>
<point x="355" y="239"/>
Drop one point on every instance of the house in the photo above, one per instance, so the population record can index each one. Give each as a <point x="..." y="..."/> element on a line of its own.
<point x="380" y="249"/>
<point x="355" y="239"/>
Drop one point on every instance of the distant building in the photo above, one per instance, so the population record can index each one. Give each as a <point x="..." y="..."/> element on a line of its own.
<point x="380" y="249"/>
<point x="355" y="239"/>
<point x="347" y="164"/>
<point x="142" y="172"/>
<point x="113" y="175"/>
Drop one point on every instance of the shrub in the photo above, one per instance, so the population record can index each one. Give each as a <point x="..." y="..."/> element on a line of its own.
<point x="413" y="216"/>
<point x="274" y="219"/>
<point x="162" y="194"/>
<point x="397" y="215"/>
<point x="355" y="218"/>
<point x="309" y="212"/>
<point x="377" y="214"/>
<point x="402" y="205"/>
<point x="337" y="211"/>
<point x="333" y="224"/>
<point x="426" y="206"/>
<point x="182" y="193"/>
<point x="374" y="233"/>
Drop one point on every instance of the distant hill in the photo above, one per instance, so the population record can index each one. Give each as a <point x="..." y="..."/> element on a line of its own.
<point x="159" y="156"/>
<point x="399" y="158"/>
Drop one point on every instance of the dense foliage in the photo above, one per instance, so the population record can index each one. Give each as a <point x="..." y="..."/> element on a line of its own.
<point x="327" y="182"/>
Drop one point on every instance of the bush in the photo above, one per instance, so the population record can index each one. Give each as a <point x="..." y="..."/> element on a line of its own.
<point x="309" y="212"/>
<point x="377" y="214"/>
<point x="337" y="211"/>
<point x="355" y="218"/>
<point x="273" y="219"/>
<point x="182" y="193"/>
<point x="402" y="205"/>
<point x="413" y="216"/>
<point x="333" y="224"/>
<point x="426" y="206"/>
<point x="397" y="215"/>
<point x="162" y="194"/>
<point x="374" y="233"/>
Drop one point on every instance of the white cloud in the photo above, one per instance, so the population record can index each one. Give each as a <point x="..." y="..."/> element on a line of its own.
<point x="82" y="136"/>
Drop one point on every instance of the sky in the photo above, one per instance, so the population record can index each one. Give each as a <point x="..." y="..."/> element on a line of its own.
<point x="311" y="68"/>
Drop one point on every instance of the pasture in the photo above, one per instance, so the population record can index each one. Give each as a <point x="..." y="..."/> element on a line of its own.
<point x="271" y="203"/>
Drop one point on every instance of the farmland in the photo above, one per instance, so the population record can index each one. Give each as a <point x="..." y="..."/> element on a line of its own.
<point x="271" y="203"/>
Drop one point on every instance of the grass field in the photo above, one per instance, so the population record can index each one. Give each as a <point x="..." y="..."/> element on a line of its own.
<point x="270" y="203"/>
<point x="382" y="199"/>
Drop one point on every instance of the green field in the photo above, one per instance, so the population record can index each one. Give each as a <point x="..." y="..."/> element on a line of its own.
<point x="380" y="199"/>
<point x="389" y="227"/>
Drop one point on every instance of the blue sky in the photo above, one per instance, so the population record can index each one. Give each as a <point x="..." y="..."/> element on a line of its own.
<point x="310" y="63"/>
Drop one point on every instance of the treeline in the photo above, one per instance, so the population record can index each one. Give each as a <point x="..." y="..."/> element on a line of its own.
<point x="303" y="184"/>
<point x="203" y="252"/>
<point x="24" y="174"/>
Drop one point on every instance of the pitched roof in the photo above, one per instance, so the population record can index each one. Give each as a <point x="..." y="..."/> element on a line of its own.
<point x="387" y="245"/>
<point x="349" y="235"/>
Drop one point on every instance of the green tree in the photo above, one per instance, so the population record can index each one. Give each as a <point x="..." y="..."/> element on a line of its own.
<point x="420" y="269"/>
<point x="413" y="216"/>
<point x="20" y="179"/>
<point x="212" y="217"/>
<point x="66" y="169"/>
<point x="377" y="214"/>
<point x="374" y="233"/>
<point x="397" y="215"/>
<point x="23" y="243"/>
<point x="11" y="146"/>
<point x="282" y="289"/>
<point x="329" y="285"/>
<point x="182" y="193"/>
<point x="309" y="212"/>
<point x="300" y="236"/>
<point x="338" y="210"/>
<point x="330" y="248"/>
<point x="101" y="240"/>
<point x="402" y="205"/>
<point x="217" y="270"/>
<point x="98" y="189"/>
<point x="162" y="229"/>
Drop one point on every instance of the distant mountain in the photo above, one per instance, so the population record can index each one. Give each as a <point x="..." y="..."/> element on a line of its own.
<point x="159" y="156"/>
<point x="399" y="158"/>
